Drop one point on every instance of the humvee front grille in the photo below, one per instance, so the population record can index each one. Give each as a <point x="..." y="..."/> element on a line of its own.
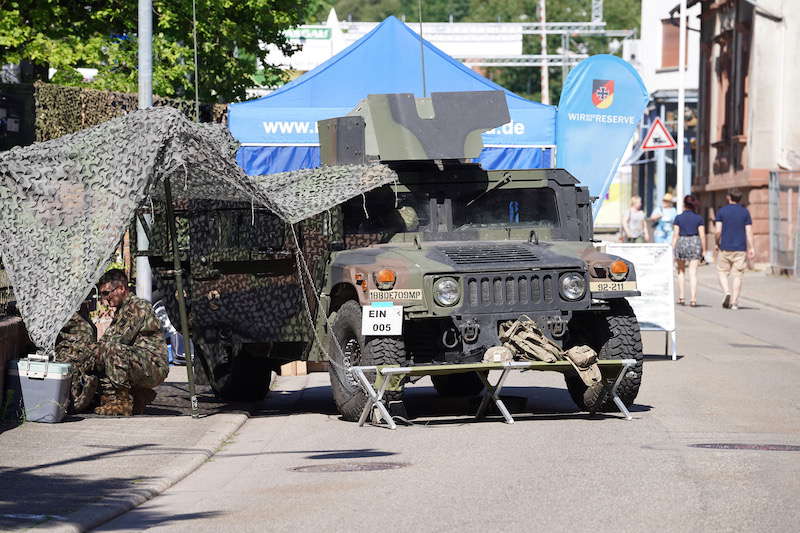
<point x="490" y="291"/>
<point x="481" y="255"/>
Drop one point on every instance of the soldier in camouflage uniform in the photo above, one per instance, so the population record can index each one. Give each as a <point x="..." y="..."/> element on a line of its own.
<point x="132" y="353"/>
<point x="76" y="344"/>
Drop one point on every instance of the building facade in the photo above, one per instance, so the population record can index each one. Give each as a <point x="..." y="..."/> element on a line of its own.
<point x="749" y="123"/>
<point x="656" y="58"/>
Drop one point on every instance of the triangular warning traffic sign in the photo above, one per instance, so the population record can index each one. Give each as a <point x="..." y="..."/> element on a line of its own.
<point x="658" y="137"/>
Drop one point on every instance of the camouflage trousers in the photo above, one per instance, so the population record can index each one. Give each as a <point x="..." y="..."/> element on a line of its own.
<point x="129" y="367"/>
<point x="84" y="381"/>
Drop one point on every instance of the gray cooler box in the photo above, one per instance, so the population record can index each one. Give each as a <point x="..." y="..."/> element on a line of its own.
<point x="39" y="388"/>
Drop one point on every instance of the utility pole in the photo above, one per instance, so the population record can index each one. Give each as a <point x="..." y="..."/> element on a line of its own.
<point x="545" y="72"/>
<point x="144" y="276"/>
<point x="679" y="159"/>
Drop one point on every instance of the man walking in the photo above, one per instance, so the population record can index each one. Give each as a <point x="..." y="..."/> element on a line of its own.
<point x="734" y="235"/>
<point x="132" y="352"/>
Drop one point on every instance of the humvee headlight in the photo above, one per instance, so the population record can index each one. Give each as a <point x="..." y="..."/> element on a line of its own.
<point x="446" y="291"/>
<point x="573" y="286"/>
<point x="618" y="270"/>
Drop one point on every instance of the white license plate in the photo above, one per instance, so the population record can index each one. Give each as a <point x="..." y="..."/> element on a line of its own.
<point x="376" y="295"/>
<point x="612" y="286"/>
<point x="381" y="319"/>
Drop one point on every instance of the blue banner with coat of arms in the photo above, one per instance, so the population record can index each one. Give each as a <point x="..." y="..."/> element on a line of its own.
<point x="601" y="104"/>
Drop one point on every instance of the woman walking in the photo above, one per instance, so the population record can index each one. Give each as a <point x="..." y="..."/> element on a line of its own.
<point x="634" y="226"/>
<point x="689" y="242"/>
<point x="664" y="217"/>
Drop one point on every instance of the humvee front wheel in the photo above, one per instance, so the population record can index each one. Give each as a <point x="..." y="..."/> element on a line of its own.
<point x="347" y="348"/>
<point x="614" y="334"/>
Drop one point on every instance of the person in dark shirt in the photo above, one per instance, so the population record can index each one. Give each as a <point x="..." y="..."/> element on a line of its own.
<point x="689" y="243"/>
<point x="734" y="235"/>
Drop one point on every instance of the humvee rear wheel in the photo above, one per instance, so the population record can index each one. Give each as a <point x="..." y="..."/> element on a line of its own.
<point x="347" y="348"/>
<point x="614" y="334"/>
<point x="468" y="384"/>
<point x="235" y="377"/>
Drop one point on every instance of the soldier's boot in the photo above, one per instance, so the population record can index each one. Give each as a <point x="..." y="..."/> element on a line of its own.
<point x="141" y="398"/>
<point x="119" y="403"/>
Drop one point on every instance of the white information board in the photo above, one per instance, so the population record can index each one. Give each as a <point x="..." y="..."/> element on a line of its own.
<point x="655" y="308"/>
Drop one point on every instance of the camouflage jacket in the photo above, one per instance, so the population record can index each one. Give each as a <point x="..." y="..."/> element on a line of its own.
<point x="135" y="324"/>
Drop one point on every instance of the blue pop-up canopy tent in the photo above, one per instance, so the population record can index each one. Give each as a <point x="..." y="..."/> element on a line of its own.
<point x="279" y="131"/>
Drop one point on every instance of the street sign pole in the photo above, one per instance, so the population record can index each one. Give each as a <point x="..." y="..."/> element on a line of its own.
<point x="661" y="168"/>
<point x="679" y="159"/>
<point x="144" y="276"/>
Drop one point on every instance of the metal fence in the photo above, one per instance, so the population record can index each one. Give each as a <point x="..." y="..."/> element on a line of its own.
<point x="784" y="222"/>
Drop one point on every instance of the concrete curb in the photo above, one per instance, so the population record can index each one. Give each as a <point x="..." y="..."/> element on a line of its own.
<point x="113" y="505"/>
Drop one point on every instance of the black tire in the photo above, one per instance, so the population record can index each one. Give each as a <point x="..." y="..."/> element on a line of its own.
<point x="356" y="350"/>
<point x="614" y="334"/>
<point x="458" y="385"/>
<point x="234" y="375"/>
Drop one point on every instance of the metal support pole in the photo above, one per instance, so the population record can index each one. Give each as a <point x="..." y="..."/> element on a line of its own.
<point x="422" y="53"/>
<point x="196" y="67"/>
<point x="679" y="159"/>
<point x="545" y="72"/>
<point x="144" y="276"/>
<point x="176" y="262"/>
<point x="661" y="168"/>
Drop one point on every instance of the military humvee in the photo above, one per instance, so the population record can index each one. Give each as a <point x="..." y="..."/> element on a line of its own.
<point x="450" y="250"/>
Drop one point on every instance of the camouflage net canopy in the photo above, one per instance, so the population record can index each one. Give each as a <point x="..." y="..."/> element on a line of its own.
<point x="65" y="203"/>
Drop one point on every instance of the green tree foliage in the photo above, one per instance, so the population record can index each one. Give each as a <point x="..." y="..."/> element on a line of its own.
<point x="376" y="10"/>
<point x="68" y="34"/>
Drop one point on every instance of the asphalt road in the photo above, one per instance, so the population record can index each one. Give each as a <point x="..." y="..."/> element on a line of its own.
<point x="736" y="383"/>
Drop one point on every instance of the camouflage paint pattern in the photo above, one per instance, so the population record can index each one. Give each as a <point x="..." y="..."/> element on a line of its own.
<point x="243" y="285"/>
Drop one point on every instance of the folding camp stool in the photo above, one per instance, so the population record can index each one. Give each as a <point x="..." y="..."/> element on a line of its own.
<point x="390" y="378"/>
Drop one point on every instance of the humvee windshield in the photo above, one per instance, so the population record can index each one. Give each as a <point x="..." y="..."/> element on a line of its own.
<point x="384" y="211"/>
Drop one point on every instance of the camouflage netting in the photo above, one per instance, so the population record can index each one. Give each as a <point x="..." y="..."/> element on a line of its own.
<point x="65" y="203"/>
<point x="300" y="194"/>
<point x="62" y="110"/>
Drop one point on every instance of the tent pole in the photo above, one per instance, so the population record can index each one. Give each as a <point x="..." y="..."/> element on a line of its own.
<point x="422" y="53"/>
<point x="176" y="261"/>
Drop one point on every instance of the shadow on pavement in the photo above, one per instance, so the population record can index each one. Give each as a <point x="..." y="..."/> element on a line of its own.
<point x="29" y="497"/>
<point x="319" y="454"/>
<point x="33" y="495"/>
<point x="652" y="358"/>
<point x="145" y="519"/>
<point x="420" y="402"/>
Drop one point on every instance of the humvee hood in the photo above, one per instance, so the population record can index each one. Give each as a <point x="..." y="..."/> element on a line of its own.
<point x="506" y="255"/>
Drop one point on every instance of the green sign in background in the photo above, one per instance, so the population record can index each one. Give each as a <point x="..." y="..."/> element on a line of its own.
<point x="308" y="32"/>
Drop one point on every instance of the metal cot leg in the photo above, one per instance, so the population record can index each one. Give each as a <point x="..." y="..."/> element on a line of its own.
<point x="373" y="399"/>
<point x="617" y="400"/>
<point x="493" y="393"/>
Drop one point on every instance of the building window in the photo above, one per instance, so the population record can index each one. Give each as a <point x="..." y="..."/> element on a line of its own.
<point x="670" y="32"/>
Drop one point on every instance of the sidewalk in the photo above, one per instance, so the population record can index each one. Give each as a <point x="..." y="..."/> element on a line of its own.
<point x="84" y="471"/>
<point x="758" y="288"/>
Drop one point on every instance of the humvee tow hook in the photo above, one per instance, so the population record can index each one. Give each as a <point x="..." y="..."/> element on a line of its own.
<point x="470" y="330"/>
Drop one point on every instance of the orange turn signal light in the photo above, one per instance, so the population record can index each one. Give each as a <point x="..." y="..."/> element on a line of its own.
<point x="385" y="279"/>
<point x="618" y="269"/>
